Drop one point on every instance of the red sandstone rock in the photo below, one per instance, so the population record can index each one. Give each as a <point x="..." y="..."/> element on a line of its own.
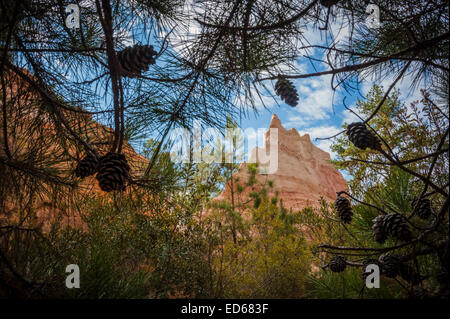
<point x="304" y="173"/>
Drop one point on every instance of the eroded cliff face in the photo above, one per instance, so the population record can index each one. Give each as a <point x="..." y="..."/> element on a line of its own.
<point x="303" y="174"/>
<point x="24" y="109"/>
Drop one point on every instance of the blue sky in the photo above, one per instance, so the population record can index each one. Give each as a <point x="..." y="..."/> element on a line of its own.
<point x="320" y="111"/>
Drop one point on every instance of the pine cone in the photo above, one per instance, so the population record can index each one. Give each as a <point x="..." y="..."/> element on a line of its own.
<point x="87" y="166"/>
<point x="390" y="265"/>
<point x="344" y="209"/>
<point x="286" y="90"/>
<point x="113" y="172"/>
<point x="379" y="232"/>
<point x="365" y="264"/>
<point x="136" y="59"/>
<point x="361" y="137"/>
<point x="396" y="226"/>
<point x="337" y="264"/>
<point x="422" y="207"/>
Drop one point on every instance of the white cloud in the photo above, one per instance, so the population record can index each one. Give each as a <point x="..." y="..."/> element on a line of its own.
<point x="408" y="94"/>
<point x="296" y="122"/>
<point x="349" y="117"/>
<point x="261" y="100"/>
<point x="315" y="97"/>
<point x="320" y="131"/>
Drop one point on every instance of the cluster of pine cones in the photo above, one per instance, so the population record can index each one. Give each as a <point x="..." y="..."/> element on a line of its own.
<point x="391" y="225"/>
<point x="391" y="265"/>
<point x="286" y="90"/>
<point x="136" y="59"/>
<point x="112" y="170"/>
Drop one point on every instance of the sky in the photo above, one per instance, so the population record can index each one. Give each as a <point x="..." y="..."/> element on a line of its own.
<point x="320" y="111"/>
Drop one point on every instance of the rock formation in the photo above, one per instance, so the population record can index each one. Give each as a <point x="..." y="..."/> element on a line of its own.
<point x="304" y="173"/>
<point x="24" y="106"/>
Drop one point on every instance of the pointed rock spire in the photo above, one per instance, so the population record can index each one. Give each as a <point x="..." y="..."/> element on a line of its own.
<point x="275" y="122"/>
<point x="303" y="175"/>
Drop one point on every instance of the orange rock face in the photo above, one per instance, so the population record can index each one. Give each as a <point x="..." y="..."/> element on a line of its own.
<point x="303" y="174"/>
<point x="23" y="110"/>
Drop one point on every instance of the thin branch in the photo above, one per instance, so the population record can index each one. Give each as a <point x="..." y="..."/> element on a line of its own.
<point x="261" y="27"/>
<point x="421" y="177"/>
<point x="196" y="78"/>
<point x="386" y="94"/>
<point x="356" y="67"/>
<point x="53" y="103"/>
<point x="367" y="55"/>
<point x="402" y="162"/>
<point x="362" y="202"/>
<point x="105" y="16"/>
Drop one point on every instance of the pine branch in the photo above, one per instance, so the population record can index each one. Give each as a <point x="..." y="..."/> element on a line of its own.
<point x="262" y="27"/>
<point x="356" y="67"/>
<point x="386" y="94"/>
<point x="105" y="15"/>
<point x="196" y="78"/>
<point x="52" y="102"/>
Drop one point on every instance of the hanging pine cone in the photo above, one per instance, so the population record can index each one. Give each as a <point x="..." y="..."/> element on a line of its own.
<point x="286" y="90"/>
<point x="422" y="206"/>
<point x="344" y="209"/>
<point x="379" y="233"/>
<point x="337" y="264"/>
<point x="365" y="264"/>
<point x="361" y="137"/>
<point x="87" y="166"/>
<point x="113" y="172"/>
<point x="136" y="59"/>
<point x="390" y="265"/>
<point x="396" y="226"/>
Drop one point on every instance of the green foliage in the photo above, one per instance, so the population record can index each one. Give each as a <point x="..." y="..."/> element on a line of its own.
<point x="163" y="237"/>
<point x="412" y="133"/>
<point x="381" y="189"/>
<point x="349" y="285"/>
<point x="272" y="261"/>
